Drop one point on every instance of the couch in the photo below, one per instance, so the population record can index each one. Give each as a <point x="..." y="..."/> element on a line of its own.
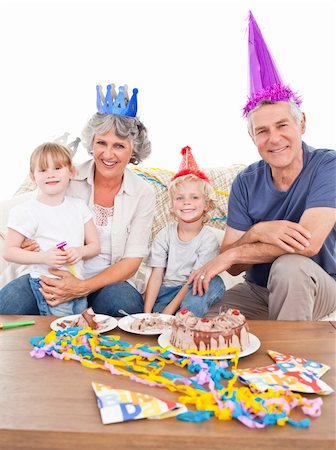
<point x="221" y="178"/>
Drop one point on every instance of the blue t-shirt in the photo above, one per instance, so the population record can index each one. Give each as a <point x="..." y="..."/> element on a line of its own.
<point x="254" y="199"/>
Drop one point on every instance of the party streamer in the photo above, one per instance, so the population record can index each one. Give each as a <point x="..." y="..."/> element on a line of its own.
<point x="209" y="389"/>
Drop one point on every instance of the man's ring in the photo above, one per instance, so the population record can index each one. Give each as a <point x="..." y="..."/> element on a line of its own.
<point x="52" y="299"/>
<point x="202" y="277"/>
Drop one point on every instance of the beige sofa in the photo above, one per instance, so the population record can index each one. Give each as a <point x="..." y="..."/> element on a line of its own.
<point x="221" y="178"/>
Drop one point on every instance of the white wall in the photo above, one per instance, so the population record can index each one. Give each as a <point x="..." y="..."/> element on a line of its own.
<point x="188" y="58"/>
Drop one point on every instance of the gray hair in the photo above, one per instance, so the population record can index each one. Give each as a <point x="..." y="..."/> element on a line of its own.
<point x="125" y="127"/>
<point x="295" y="110"/>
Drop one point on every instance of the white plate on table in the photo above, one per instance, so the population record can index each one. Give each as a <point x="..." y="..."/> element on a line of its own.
<point x="125" y="323"/>
<point x="109" y="323"/>
<point x="164" y="341"/>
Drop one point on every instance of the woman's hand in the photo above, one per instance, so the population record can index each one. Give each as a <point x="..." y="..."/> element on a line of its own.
<point x="62" y="289"/>
<point x="30" y="245"/>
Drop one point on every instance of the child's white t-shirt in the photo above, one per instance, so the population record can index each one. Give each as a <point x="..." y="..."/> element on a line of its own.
<point x="181" y="258"/>
<point x="50" y="225"/>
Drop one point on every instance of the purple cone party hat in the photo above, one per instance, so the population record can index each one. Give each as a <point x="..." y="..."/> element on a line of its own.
<point x="189" y="166"/>
<point x="265" y="80"/>
<point x="119" y="104"/>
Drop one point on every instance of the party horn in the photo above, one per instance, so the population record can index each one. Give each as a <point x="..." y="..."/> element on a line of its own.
<point x="3" y="326"/>
<point x="61" y="246"/>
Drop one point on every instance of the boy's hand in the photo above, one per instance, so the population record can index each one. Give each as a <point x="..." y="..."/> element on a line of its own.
<point x="169" y="310"/>
<point x="54" y="258"/>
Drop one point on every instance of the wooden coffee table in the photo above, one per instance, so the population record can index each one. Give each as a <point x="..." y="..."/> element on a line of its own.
<point x="49" y="404"/>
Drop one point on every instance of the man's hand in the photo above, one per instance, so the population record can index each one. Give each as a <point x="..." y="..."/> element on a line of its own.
<point x="201" y="277"/>
<point x="289" y="236"/>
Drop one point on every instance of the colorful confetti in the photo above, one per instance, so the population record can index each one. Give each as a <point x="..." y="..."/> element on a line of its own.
<point x="206" y="390"/>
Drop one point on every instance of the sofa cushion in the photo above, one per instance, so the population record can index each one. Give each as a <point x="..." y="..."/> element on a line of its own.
<point x="221" y="179"/>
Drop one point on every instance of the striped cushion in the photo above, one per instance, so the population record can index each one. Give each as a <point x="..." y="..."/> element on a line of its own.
<point x="221" y="179"/>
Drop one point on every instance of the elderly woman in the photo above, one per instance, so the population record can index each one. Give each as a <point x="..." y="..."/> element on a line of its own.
<point x="122" y="205"/>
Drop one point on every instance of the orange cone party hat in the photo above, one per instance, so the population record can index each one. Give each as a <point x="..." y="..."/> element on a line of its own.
<point x="189" y="166"/>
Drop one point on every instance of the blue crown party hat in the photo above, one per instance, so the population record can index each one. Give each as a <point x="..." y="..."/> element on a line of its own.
<point x="116" y="104"/>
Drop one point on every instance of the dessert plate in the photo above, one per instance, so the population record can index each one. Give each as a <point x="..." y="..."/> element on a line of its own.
<point x="164" y="341"/>
<point x="106" y="323"/>
<point x="125" y="323"/>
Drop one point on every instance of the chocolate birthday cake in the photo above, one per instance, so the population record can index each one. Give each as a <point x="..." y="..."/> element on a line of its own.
<point x="228" y="329"/>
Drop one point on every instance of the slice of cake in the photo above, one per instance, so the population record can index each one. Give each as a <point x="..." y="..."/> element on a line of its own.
<point x="228" y="329"/>
<point x="87" y="319"/>
<point x="84" y="320"/>
<point x="152" y="321"/>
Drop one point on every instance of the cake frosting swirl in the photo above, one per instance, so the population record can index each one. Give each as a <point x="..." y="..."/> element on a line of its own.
<point x="228" y="329"/>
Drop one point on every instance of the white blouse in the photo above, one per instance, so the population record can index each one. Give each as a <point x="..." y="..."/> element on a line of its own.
<point x="102" y="218"/>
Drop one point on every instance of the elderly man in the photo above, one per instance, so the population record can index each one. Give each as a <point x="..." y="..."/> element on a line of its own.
<point x="281" y="218"/>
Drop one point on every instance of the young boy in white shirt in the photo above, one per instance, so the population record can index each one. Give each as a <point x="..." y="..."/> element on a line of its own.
<point x="184" y="246"/>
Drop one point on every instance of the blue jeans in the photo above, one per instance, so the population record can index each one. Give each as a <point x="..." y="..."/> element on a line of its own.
<point x="194" y="303"/>
<point x="17" y="298"/>
<point x="109" y="299"/>
<point x="76" y="306"/>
